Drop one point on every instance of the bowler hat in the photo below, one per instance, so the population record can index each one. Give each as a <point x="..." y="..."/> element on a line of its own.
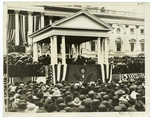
<point x="82" y="97"/>
<point x="124" y="108"/>
<point x="125" y="102"/>
<point x="74" y="109"/>
<point x="52" y="107"/>
<point x="95" y="103"/>
<point x="61" y="106"/>
<point x="63" y="111"/>
<point x="91" y="94"/>
<point x="67" y="108"/>
<point x="68" y="98"/>
<point x="22" y="105"/>
<point x="82" y="108"/>
<point x="115" y="101"/>
<point x="70" y="104"/>
<point x="102" y="108"/>
<point x="105" y="97"/>
<point x="107" y="104"/>
<point x="59" y="100"/>
<point x="117" y="109"/>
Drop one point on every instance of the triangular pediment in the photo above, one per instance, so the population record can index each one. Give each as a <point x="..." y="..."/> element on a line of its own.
<point x="82" y="20"/>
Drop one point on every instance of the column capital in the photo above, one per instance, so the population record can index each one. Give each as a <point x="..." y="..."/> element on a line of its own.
<point x="42" y="13"/>
<point x="17" y="11"/>
<point x="50" y="16"/>
<point x="126" y="25"/>
<point x="137" y="26"/>
<point x="30" y="12"/>
<point x="63" y="36"/>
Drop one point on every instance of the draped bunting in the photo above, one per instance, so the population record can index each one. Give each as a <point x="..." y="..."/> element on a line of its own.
<point x="64" y="72"/>
<point x="36" y="23"/>
<point x="59" y="72"/>
<point x="75" y="73"/>
<point x="22" y="29"/>
<point x="11" y="28"/>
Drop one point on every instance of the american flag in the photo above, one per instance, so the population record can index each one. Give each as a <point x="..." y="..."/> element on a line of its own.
<point x="11" y="28"/>
<point x="22" y="29"/>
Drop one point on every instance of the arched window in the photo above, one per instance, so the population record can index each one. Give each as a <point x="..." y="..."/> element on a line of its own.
<point x="132" y="44"/>
<point x="118" y="44"/>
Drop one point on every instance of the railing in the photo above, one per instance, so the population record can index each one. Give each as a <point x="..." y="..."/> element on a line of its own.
<point x="110" y="12"/>
<point x="119" y="13"/>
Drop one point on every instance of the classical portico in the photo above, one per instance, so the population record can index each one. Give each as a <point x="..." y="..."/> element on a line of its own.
<point x="73" y="30"/>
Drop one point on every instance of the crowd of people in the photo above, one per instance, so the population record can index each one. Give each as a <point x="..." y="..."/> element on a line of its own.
<point x="128" y="64"/>
<point x="93" y="96"/>
<point x="124" y="64"/>
<point x="45" y="59"/>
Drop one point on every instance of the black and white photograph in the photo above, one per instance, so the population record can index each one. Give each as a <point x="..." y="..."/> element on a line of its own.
<point x="74" y="57"/>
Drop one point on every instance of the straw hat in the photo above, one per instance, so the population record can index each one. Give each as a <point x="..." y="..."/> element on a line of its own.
<point x="56" y="93"/>
<point x="77" y="101"/>
<point x="31" y="108"/>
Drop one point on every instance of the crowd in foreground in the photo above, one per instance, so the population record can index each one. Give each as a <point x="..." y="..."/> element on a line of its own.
<point x="95" y="96"/>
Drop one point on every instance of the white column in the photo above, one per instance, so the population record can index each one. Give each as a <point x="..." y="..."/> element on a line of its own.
<point x="63" y="50"/>
<point x="50" y="20"/>
<point x="30" y="31"/>
<point x="106" y="50"/>
<point x="55" y="49"/>
<point x="16" y="27"/>
<point x="103" y="50"/>
<point x="106" y="55"/>
<point x="42" y="20"/>
<point x="5" y="23"/>
<point x="99" y="50"/>
<point x="30" y="26"/>
<point x="35" y="52"/>
<point x="52" y="50"/>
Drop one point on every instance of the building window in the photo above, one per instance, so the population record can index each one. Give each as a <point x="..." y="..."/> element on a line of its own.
<point x="93" y="46"/>
<point x="118" y="46"/>
<point x="142" y="47"/>
<point x="132" y="30"/>
<point x="132" y="44"/>
<point x="142" y="31"/>
<point x="132" y="47"/>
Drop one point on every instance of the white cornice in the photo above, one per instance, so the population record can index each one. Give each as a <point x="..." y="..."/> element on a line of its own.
<point x="27" y="8"/>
